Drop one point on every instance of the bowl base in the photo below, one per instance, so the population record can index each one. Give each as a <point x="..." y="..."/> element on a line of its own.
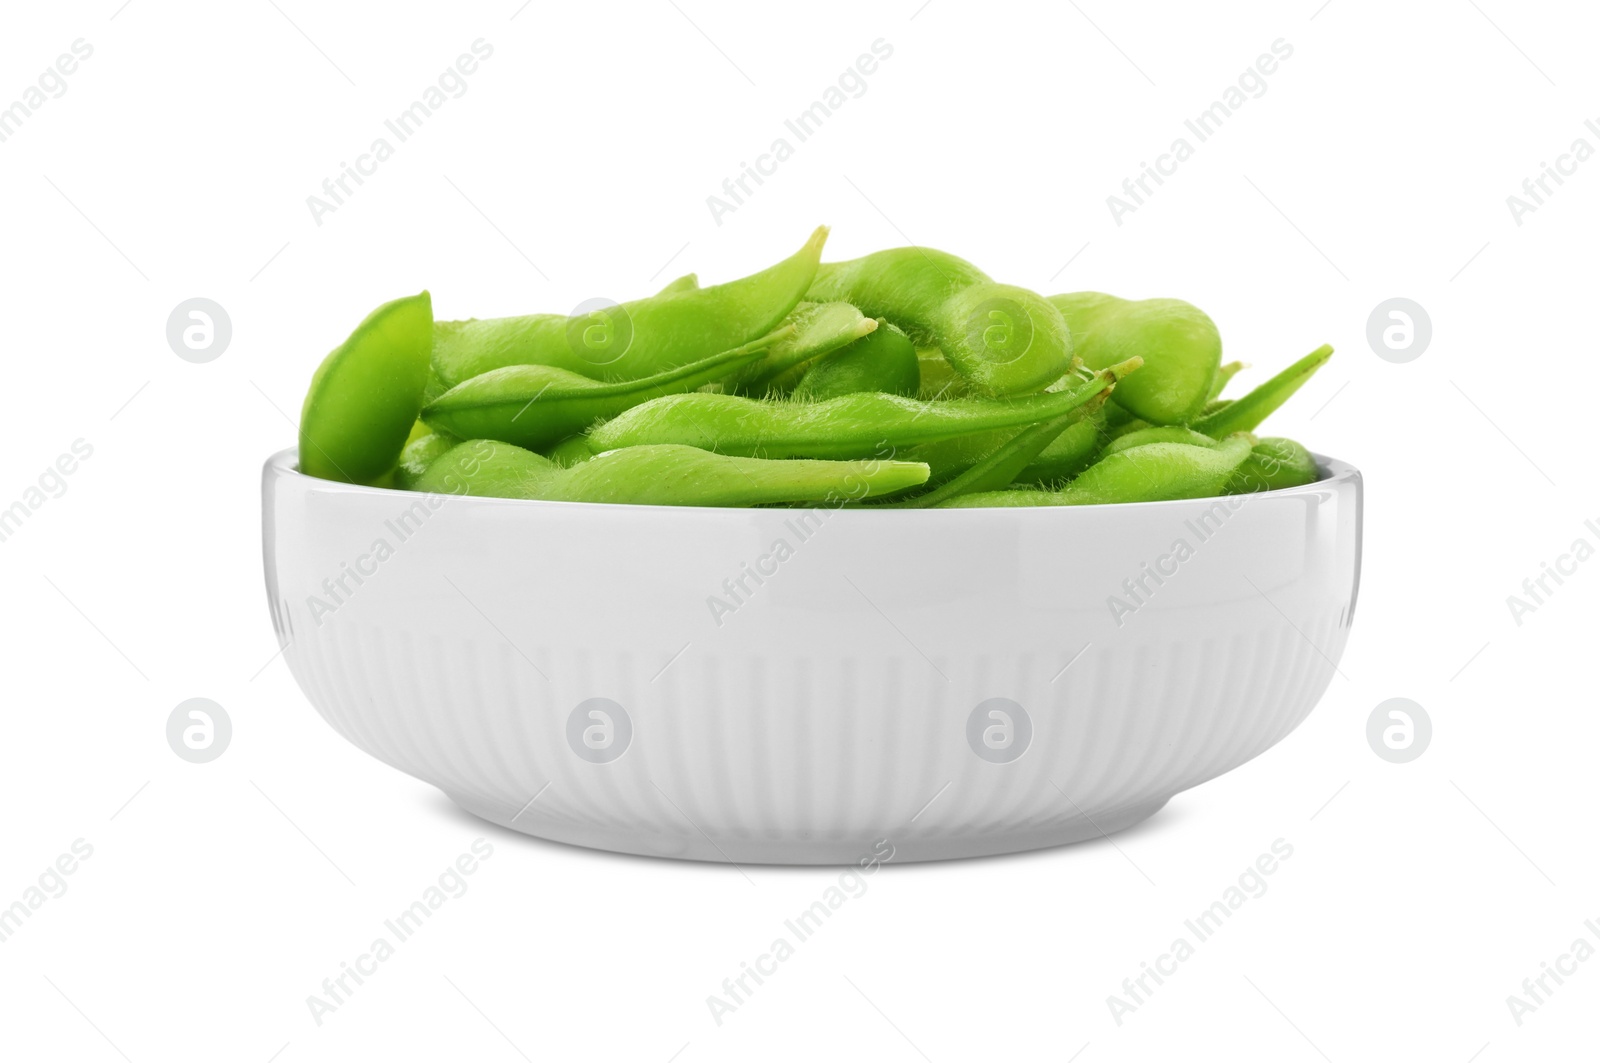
<point x="799" y="849"/>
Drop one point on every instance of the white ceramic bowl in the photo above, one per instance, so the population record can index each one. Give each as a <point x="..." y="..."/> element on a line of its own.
<point x="673" y="681"/>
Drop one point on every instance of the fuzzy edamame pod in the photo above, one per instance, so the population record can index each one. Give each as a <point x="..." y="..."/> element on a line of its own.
<point x="997" y="469"/>
<point x="419" y="453"/>
<point x="662" y="476"/>
<point x="815" y="330"/>
<point x="1274" y="462"/>
<point x="937" y="378"/>
<point x="534" y="406"/>
<point x="1246" y="413"/>
<point x="569" y="452"/>
<point x="1069" y="453"/>
<point x="1155" y="472"/>
<point x="883" y="360"/>
<point x="635" y="339"/>
<point x="851" y="426"/>
<point x="1002" y="339"/>
<point x="1160" y="433"/>
<point x="365" y="396"/>
<point x="1179" y="343"/>
<point x="1065" y="455"/>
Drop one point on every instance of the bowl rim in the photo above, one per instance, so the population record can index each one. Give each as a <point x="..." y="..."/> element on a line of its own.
<point x="284" y="464"/>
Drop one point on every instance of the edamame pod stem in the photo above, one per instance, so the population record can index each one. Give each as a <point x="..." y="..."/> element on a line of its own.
<point x="1002" y="339"/>
<point x="817" y="329"/>
<point x="1179" y="343"/>
<point x="662" y="476"/>
<point x="851" y="426"/>
<point x="883" y="360"/>
<point x="1156" y="472"/>
<point x="534" y="406"/>
<point x="1274" y="462"/>
<point x="995" y="471"/>
<point x="636" y="339"/>
<point x="1246" y="413"/>
<point x="365" y="396"/>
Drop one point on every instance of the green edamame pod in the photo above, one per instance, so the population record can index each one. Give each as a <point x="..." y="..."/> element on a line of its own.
<point x="534" y="406"/>
<point x="1246" y="413"/>
<point x="662" y="476"/>
<point x="954" y="455"/>
<point x="1117" y="417"/>
<point x="851" y="426"/>
<point x="1067" y="455"/>
<point x="1128" y="426"/>
<point x="1179" y="343"/>
<point x="686" y="283"/>
<point x="418" y="454"/>
<point x="365" y="396"/>
<point x="569" y="451"/>
<point x="1156" y="472"/>
<point x="884" y="360"/>
<point x="1159" y="471"/>
<point x="636" y="339"/>
<point x="1002" y="339"/>
<point x="1161" y="433"/>
<point x="998" y="469"/>
<point x="817" y="329"/>
<point x="1274" y="462"/>
<point x="1064" y="456"/>
<point x="937" y="378"/>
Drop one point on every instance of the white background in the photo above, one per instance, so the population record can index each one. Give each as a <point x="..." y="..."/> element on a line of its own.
<point x="578" y="163"/>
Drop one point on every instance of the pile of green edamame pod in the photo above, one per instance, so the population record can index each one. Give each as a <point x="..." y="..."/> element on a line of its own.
<point x="907" y="378"/>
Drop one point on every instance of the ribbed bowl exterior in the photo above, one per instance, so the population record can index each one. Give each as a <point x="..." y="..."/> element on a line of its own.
<point x="674" y="682"/>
